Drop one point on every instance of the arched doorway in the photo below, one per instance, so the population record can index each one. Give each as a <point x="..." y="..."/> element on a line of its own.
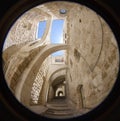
<point x="60" y="91"/>
<point x="60" y="94"/>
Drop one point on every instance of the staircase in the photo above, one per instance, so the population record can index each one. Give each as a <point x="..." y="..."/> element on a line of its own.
<point x="59" y="108"/>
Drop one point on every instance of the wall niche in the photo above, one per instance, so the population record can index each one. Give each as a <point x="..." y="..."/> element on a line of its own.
<point x="76" y="55"/>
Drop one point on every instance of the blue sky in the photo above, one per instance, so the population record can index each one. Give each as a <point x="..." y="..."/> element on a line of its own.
<point x="57" y="31"/>
<point x="58" y="53"/>
<point x="56" y="35"/>
<point x="41" y="29"/>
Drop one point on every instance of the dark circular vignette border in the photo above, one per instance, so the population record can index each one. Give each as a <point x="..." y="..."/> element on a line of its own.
<point x="20" y="112"/>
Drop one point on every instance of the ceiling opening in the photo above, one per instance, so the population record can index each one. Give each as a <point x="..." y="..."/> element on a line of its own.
<point x="41" y="29"/>
<point x="57" y="31"/>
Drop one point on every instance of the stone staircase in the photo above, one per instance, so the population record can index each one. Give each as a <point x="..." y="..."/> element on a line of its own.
<point x="59" y="109"/>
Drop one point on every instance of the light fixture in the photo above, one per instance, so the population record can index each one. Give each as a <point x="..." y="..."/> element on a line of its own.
<point x="63" y="11"/>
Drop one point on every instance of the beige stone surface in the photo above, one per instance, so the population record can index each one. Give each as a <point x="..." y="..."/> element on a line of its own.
<point x="91" y="59"/>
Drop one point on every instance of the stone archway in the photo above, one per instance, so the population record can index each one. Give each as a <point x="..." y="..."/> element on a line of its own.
<point x="30" y="74"/>
<point x="49" y="81"/>
<point x="56" y="86"/>
<point x="60" y="94"/>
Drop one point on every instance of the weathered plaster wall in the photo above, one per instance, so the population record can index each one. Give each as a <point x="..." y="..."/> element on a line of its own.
<point x="92" y="57"/>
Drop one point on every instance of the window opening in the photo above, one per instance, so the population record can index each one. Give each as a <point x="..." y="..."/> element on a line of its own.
<point x="57" y="31"/>
<point x="41" y="29"/>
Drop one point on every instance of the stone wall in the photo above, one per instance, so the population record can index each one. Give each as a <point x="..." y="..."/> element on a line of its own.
<point x="91" y="54"/>
<point x="92" y="57"/>
<point x="24" y="30"/>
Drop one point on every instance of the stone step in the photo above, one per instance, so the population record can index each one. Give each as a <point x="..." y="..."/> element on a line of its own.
<point x="58" y="116"/>
<point x="57" y="105"/>
<point x="58" y="101"/>
<point x="60" y="108"/>
<point x="58" y="112"/>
